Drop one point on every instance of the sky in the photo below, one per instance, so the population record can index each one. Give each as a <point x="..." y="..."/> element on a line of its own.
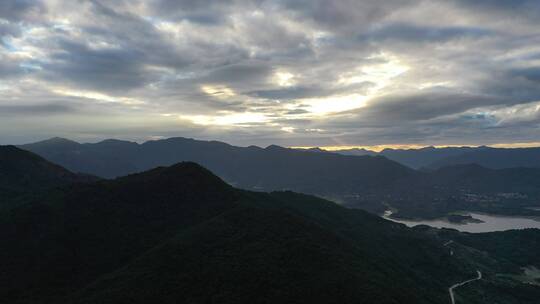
<point x="287" y="72"/>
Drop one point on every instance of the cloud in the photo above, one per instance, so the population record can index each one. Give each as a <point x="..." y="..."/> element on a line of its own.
<point x="205" y="12"/>
<point x="291" y="72"/>
<point x="17" y="10"/>
<point x="9" y="67"/>
<point x="101" y="69"/>
<point x="424" y="106"/>
<point x="415" y="33"/>
<point x="531" y="73"/>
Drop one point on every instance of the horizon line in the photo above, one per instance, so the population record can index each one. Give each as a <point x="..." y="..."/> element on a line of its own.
<point x="373" y="148"/>
<point x="379" y="148"/>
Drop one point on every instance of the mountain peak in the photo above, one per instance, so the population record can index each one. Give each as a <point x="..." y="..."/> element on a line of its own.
<point x="58" y="140"/>
<point x="275" y="148"/>
<point x="54" y="141"/>
<point x="314" y="149"/>
<point x="180" y="175"/>
<point x="116" y="142"/>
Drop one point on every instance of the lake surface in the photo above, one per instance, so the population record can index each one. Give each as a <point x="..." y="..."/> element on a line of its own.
<point x="490" y="223"/>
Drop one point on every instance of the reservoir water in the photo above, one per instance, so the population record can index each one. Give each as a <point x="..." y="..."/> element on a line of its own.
<point x="490" y="223"/>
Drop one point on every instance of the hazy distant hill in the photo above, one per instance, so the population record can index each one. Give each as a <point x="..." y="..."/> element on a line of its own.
<point x="109" y="158"/>
<point x="496" y="158"/>
<point x="355" y="152"/>
<point x="418" y="158"/>
<point x="181" y="235"/>
<point x="413" y="158"/>
<point x="433" y="158"/>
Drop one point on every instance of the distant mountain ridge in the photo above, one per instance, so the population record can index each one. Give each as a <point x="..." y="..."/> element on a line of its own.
<point x="372" y="183"/>
<point x="495" y="158"/>
<point x="413" y="158"/>
<point x="270" y="168"/>
<point x="433" y="158"/>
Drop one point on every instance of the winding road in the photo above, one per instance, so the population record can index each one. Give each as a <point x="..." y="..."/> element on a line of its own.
<point x="451" y="289"/>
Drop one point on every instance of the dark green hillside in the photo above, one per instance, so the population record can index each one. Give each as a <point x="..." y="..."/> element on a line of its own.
<point x="505" y="282"/>
<point x="521" y="247"/>
<point x="290" y="248"/>
<point x="496" y="158"/>
<point x="22" y="172"/>
<point x="181" y="235"/>
<point x="66" y="239"/>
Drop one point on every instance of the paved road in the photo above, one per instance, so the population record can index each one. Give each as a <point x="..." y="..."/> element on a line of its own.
<point x="451" y="289"/>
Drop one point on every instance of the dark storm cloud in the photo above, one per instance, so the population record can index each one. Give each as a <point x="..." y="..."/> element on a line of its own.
<point x="531" y="74"/>
<point x="342" y="14"/>
<point x="514" y="85"/>
<point x="134" y="34"/>
<point x="109" y="69"/>
<point x="424" y="106"/>
<point x="414" y="33"/>
<point x="16" y="10"/>
<point x="206" y="12"/>
<point x="245" y="72"/>
<point x="528" y="6"/>
<point x="42" y="109"/>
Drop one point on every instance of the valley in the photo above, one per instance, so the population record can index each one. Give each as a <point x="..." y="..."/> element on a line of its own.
<point x="180" y="232"/>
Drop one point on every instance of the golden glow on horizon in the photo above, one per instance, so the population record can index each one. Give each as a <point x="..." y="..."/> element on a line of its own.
<point x="517" y="145"/>
<point x="378" y="148"/>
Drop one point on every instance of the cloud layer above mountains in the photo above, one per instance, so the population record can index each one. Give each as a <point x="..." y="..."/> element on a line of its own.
<point x="292" y="72"/>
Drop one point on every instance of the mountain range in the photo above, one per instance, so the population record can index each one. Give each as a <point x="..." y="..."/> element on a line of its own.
<point x="270" y="168"/>
<point x="430" y="158"/>
<point x="373" y="183"/>
<point x="180" y="234"/>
